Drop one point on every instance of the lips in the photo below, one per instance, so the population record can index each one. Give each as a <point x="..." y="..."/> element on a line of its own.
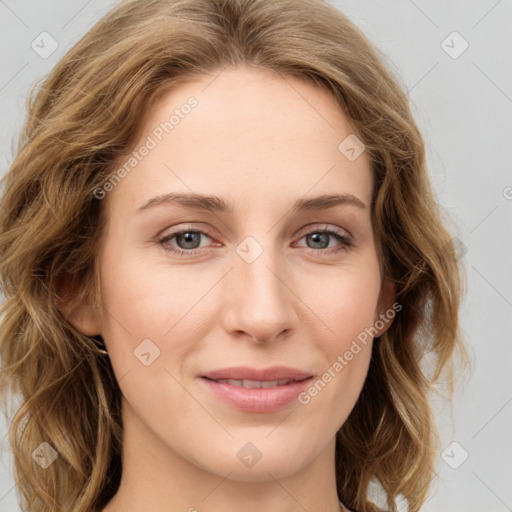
<point x="257" y="391"/>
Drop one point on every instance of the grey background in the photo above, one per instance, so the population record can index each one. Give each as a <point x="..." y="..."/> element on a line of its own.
<point x="463" y="106"/>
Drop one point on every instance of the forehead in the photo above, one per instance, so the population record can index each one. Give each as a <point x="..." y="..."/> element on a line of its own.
<point x="254" y="137"/>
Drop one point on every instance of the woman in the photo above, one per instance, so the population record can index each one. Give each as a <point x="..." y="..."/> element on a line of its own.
<point x="213" y="196"/>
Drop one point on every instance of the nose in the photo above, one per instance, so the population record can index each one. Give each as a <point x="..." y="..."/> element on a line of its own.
<point x="260" y="303"/>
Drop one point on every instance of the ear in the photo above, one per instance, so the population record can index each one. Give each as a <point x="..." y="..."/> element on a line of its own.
<point x="80" y="311"/>
<point x="387" y="307"/>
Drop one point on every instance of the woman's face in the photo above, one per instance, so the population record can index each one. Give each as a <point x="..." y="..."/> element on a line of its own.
<point x="248" y="281"/>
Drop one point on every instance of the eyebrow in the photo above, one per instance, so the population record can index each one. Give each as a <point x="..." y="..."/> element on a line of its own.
<point x="217" y="204"/>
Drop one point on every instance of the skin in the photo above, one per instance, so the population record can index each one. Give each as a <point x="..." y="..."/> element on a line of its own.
<point x="261" y="141"/>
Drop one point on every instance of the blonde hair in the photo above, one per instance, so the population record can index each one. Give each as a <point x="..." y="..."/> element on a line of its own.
<point x="85" y="115"/>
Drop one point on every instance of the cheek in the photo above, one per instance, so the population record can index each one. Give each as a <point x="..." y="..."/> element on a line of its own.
<point x="146" y="298"/>
<point x="346" y="301"/>
<point x="148" y="302"/>
<point x="149" y="317"/>
<point x="348" y="309"/>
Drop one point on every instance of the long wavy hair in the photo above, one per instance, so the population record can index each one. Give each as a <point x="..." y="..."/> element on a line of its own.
<point x="84" y="116"/>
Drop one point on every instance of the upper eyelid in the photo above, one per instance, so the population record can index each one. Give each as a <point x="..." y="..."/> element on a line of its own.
<point x="306" y="229"/>
<point x="323" y="227"/>
<point x="184" y="230"/>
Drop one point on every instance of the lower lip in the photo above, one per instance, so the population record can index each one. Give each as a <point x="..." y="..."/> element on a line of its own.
<point x="257" y="399"/>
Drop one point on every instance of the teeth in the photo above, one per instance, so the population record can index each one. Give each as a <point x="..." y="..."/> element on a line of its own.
<point x="251" y="384"/>
<point x="254" y="383"/>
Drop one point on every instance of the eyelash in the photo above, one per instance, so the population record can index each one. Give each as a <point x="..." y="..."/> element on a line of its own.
<point x="345" y="241"/>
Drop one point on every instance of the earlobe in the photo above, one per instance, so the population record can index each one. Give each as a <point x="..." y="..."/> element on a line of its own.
<point x="77" y="309"/>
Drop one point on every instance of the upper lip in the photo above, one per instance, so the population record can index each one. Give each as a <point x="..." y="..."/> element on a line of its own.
<point x="266" y="374"/>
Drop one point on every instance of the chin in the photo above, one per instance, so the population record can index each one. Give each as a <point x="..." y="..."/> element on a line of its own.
<point x="275" y="468"/>
<point x="258" y="460"/>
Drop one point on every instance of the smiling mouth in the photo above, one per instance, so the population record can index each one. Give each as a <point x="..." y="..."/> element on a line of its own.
<point x="251" y="384"/>
<point x="257" y="393"/>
